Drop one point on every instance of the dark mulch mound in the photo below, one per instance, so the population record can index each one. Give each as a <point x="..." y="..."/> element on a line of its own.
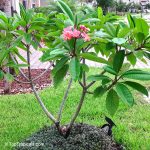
<point x="40" y="83"/>
<point x="82" y="137"/>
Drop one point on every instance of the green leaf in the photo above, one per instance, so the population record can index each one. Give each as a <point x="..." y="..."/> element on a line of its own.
<point x="27" y="38"/>
<point x="60" y="74"/>
<point x="22" y="12"/>
<point x="137" y="75"/>
<point x="76" y="20"/>
<point x="118" y="60"/>
<point x="125" y="67"/>
<point x="124" y="32"/>
<point x="147" y="55"/>
<point x="29" y="14"/>
<point x="92" y="57"/>
<point x="21" y="57"/>
<point x="110" y="70"/>
<point x="60" y="64"/>
<point x="13" y="65"/>
<point x="90" y="20"/>
<point x="137" y="86"/>
<point x="65" y="8"/>
<point x="3" y="17"/>
<point x="139" y="37"/>
<point x="3" y="55"/>
<point x="139" y="54"/>
<point x="85" y="67"/>
<point x="131" y="21"/>
<point x="132" y="59"/>
<point x="110" y="29"/>
<point x="17" y="41"/>
<point x="125" y="94"/>
<point x="53" y="54"/>
<point x="97" y="77"/>
<point x="74" y="68"/>
<point x="142" y="26"/>
<point x="99" y="91"/>
<point x="119" y="41"/>
<point x="112" y="102"/>
<point x="100" y="13"/>
<point x="105" y="81"/>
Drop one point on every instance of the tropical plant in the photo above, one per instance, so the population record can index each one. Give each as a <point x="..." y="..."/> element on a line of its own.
<point x="7" y="48"/>
<point x="69" y="39"/>
<point x="13" y="37"/>
<point x="116" y="42"/>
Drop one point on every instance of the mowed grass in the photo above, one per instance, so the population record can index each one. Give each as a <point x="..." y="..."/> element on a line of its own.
<point x="21" y="115"/>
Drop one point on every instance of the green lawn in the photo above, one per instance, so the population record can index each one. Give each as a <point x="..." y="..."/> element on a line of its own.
<point x="20" y="116"/>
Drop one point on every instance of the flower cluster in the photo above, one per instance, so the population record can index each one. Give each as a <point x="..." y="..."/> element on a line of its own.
<point x="70" y="32"/>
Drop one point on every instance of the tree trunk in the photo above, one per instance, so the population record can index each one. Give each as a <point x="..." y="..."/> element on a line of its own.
<point x="5" y="6"/>
<point x="7" y="85"/>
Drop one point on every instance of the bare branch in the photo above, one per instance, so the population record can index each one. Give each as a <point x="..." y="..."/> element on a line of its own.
<point x="22" y="73"/>
<point x="81" y="84"/>
<point x="88" y="92"/>
<point x="63" y="101"/>
<point x="78" y="109"/>
<point x="93" y="82"/>
<point x="84" y="91"/>
<point x="12" y="57"/>
<point x="137" y="49"/>
<point x="43" y="72"/>
<point x="21" y="81"/>
<point x="90" y="84"/>
<point x="49" y="115"/>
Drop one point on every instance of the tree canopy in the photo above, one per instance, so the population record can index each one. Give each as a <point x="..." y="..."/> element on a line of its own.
<point x="105" y="3"/>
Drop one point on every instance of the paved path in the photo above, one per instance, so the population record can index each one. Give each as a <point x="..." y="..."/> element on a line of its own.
<point x="35" y="62"/>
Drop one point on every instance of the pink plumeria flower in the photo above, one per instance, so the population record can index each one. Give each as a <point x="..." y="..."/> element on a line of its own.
<point x="84" y="29"/>
<point x="85" y="37"/>
<point x="69" y="28"/>
<point x="76" y="33"/>
<point x="68" y="33"/>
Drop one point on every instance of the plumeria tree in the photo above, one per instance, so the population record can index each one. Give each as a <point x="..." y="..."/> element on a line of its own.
<point x="121" y="44"/>
<point x="71" y="39"/>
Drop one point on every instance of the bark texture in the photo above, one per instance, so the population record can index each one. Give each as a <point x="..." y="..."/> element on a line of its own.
<point x="5" y="6"/>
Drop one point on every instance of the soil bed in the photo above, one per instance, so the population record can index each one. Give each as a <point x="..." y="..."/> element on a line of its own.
<point x="82" y="137"/>
<point x="40" y="83"/>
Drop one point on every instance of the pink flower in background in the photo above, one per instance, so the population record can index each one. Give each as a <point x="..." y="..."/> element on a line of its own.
<point x="85" y="37"/>
<point x="84" y="29"/>
<point x="76" y="33"/>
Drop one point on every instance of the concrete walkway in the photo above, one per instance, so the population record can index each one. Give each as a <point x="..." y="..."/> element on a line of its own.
<point x="35" y="62"/>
